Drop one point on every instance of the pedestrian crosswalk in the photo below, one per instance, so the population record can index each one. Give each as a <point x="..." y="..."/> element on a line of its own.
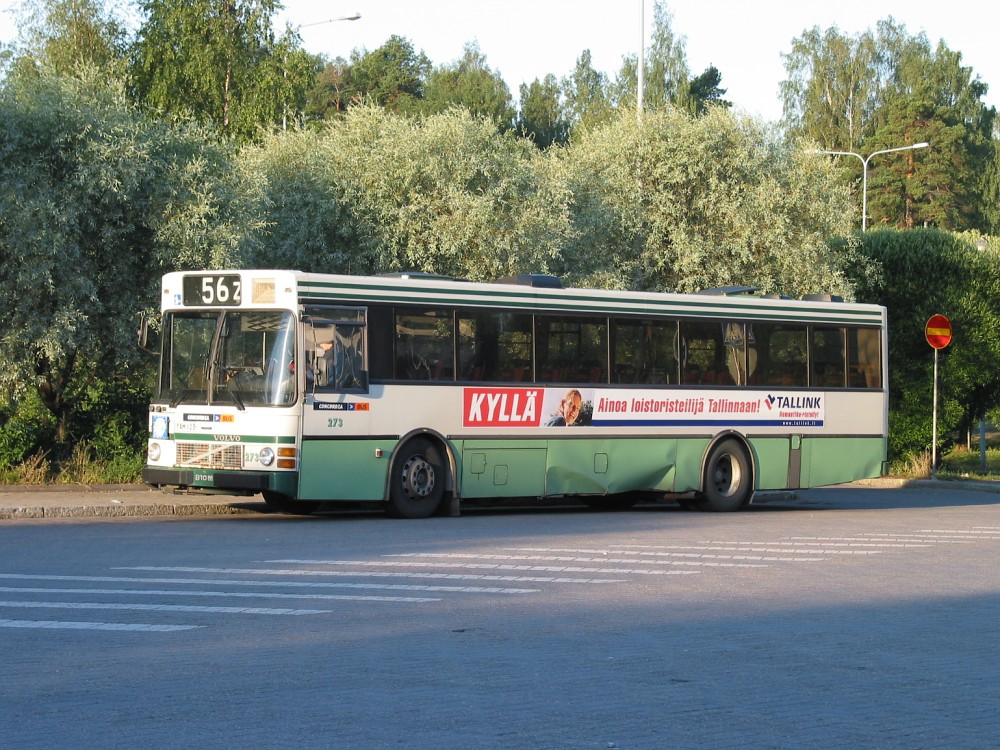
<point x="150" y="598"/>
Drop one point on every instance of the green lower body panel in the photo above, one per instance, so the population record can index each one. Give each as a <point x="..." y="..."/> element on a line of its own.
<point x="500" y="468"/>
<point x="772" y="457"/>
<point x="344" y="469"/>
<point x="834" y="460"/>
<point x="600" y="467"/>
<point x="496" y="468"/>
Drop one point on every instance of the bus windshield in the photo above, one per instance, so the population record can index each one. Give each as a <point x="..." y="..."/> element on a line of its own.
<point x="245" y="358"/>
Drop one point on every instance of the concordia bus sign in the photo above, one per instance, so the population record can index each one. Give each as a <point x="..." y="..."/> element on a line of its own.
<point x="601" y="407"/>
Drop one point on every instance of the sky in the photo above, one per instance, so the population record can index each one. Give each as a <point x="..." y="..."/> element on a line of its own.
<point x="528" y="39"/>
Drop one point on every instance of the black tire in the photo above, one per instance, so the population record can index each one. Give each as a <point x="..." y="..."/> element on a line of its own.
<point x="285" y="504"/>
<point x="416" y="484"/>
<point x="728" y="478"/>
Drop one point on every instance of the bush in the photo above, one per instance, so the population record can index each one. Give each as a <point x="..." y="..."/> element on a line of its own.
<point x="26" y="428"/>
<point x="915" y="274"/>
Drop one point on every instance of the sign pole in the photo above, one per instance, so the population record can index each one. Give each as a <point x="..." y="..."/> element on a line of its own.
<point x="938" y="334"/>
<point x="934" y="421"/>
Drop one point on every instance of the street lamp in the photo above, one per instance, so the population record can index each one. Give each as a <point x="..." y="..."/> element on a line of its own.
<point x="353" y="17"/>
<point x="640" y="77"/>
<point x="864" y="166"/>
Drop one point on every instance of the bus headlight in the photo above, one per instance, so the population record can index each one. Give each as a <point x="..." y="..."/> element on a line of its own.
<point x="267" y="456"/>
<point x="160" y="427"/>
<point x="153" y="452"/>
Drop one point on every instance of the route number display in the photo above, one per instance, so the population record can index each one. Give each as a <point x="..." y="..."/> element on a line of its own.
<point x="225" y="290"/>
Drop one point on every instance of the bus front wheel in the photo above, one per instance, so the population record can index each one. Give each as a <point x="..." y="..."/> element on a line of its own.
<point x="728" y="479"/>
<point x="418" y="479"/>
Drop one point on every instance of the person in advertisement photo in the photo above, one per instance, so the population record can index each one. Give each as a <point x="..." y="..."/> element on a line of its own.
<point x="573" y="409"/>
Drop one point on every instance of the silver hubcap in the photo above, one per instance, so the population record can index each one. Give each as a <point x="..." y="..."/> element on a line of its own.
<point x="727" y="476"/>
<point x="418" y="478"/>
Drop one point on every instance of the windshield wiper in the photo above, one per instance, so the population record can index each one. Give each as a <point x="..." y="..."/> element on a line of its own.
<point x="232" y="378"/>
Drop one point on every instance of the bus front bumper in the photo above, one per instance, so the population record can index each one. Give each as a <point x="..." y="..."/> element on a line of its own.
<point x="243" y="482"/>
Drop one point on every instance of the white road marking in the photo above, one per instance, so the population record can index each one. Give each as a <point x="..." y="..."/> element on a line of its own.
<point x="222" y="594"/>
<point x="162" y="608"/>
<point x="60" y="625"/>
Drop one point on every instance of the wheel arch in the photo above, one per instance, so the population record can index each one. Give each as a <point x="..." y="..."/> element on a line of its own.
<point x="426" y="433"/>
<point x="718" y="438"/>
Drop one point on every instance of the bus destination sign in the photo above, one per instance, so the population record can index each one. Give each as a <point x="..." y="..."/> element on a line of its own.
<point x="223" y="289"/>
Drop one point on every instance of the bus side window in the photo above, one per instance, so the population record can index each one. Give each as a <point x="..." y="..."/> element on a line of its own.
<point x="778" y="354"/>
<point x="348" y="362"/>
<point x="828" y="358"/>
<point x="643" y="351"/>
<point x="424" y="344"/>
<point x="864" y="358"/>
<point x="334" y="349"/>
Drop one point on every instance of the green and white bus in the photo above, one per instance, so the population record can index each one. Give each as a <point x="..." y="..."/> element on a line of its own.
<point x="421" y="391"/>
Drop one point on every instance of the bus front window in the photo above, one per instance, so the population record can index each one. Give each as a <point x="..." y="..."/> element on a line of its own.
<point x="240" y="358"/>
<point x="187" y="343"/>
<point x="255" y="364"/>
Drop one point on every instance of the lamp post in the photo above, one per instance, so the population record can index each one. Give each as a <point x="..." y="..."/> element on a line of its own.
<point x="864" y="166"/>
<point x="353" y="17"/>
<point x="640" y="77"/>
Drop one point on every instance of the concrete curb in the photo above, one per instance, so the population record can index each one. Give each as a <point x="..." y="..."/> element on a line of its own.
<point x="975" y="485"/>
<point x="25" y="502"/>
<point x="115" y="501"/>
<point x="124" y="510"/>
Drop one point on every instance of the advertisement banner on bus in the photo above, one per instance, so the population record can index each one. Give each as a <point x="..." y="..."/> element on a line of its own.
<point x="600" y="407"/>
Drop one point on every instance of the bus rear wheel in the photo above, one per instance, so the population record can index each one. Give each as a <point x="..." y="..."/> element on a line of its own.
<point x="417" y="482"/>
<point x="728" y="478"/>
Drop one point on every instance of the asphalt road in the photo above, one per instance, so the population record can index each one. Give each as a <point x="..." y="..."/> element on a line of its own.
<point x="848" y="617"/>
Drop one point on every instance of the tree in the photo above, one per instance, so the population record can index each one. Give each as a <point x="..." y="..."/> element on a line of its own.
<point x="587" y="94"/>
<point x="541" y="115"/>
<point x="667" y="78"/>
<point x="96" y="202"/>
<point x="705" y="91"/>
<point x="330" y="94"/>
<point x="309" y="223"/>
<point x="990" y="190"/>
<point x="965" y="288"/>
<point x="218" y="61"/>
<point x="887" y="89"/>
<point x="683" y="203"/>
<point x="392" y="76"/>
<point x="448" y="193"/>
<point x="666" y="69"/>
<point x="931" y="98"/>
<point x="67" y="35"/>
<point x="831" y="88"/>
<point x="471" y="83"/>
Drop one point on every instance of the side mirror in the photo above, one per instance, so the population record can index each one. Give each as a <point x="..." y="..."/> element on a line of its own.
<point x="143" y="335"/>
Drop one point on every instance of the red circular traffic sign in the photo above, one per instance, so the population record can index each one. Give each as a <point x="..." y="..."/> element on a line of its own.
<point x="938" y="331"/>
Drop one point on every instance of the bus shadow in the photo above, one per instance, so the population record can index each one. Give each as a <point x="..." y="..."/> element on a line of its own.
<point x="924" y="494"/>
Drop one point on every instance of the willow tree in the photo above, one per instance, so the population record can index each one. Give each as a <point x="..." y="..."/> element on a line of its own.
<point x="682" y="203"/>
<point x="376" y="191"/>
<point x="96" y="201"/>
